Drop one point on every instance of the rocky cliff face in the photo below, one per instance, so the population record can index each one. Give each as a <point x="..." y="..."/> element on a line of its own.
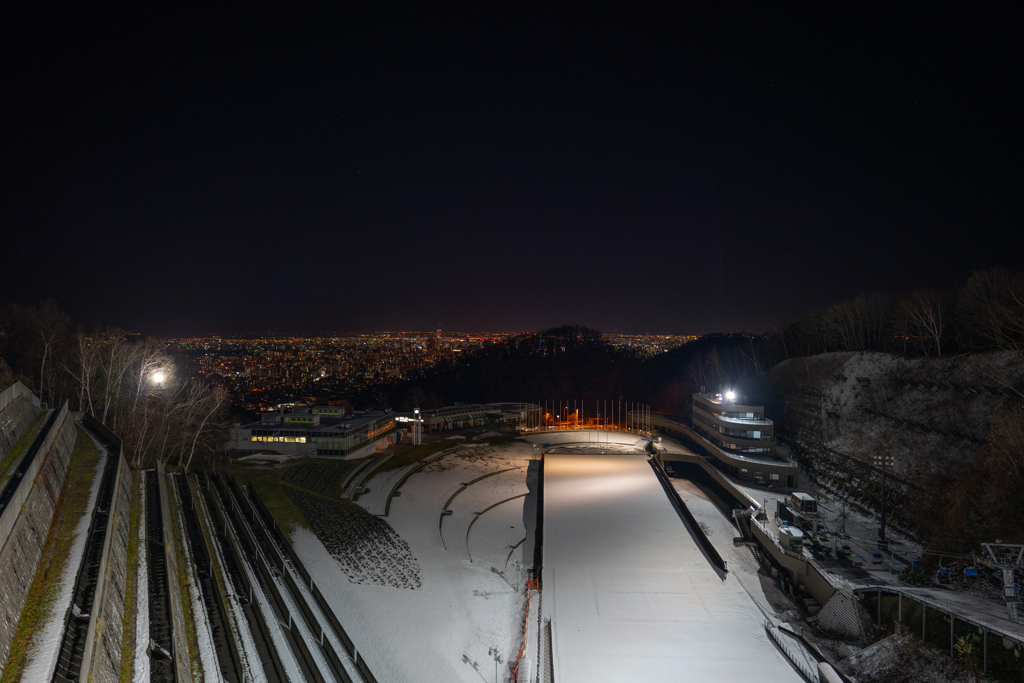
<point x="837" y="411"/>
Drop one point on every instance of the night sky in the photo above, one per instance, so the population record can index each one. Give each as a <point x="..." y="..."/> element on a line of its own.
<point x="503" y="167"/>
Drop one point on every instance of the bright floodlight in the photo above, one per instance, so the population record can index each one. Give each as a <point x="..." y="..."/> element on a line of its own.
<point x="158" y="377"/>
<point x="417" y="411"/>
<point x="730" y="395"/>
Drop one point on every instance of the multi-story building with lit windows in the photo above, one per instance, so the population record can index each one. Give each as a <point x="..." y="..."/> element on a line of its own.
<point x="320" y="430"/>
<point x="736" y="437"/>
<point x="741" y="439"/>
<point x="732" y="426"/>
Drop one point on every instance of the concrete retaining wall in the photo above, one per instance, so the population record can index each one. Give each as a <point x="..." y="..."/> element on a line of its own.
<point x="24" y="487"/>
<point x="808" y="576"/>
<point x="735" y="491"/>
<point x="17" y="390"/>
<point x="101" y="661"/>
<point x="840" y="615"/>
<point x="710" y="551"/>
<point x="811" y="578"/>
<point x="15" y="418"/>
<point x="30" y="523"/>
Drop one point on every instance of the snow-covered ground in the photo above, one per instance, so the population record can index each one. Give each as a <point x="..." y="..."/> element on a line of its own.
<point x="442" y="630"/>
<point x="775" y="605"/>
<point x="629" y="594"/>
<point x="381" y="483"/>
<point x="861" y="535"/>
<point x="46" y="639"/>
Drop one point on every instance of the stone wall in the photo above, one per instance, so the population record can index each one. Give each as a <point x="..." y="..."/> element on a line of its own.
<point x="841" y="616"/>
<point x="837" y="411"/>
<point x="23" y="547"/>
<point x="102" y="659"/>
<point x="15" y="418"/>
<point x="17" y="390"/>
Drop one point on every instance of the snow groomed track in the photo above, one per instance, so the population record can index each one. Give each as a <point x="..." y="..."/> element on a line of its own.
<point x="627" y="590"/>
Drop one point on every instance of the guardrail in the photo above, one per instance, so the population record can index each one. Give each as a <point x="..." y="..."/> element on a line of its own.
<point x="691" y="521"/>
<point x="787" y="648"/>
<point x="177" y="614"/>
<point x="272" y="528"/>
<point x="260" y="510"/>
<point x="234" y="546"/>
<point x="221" y="605"/>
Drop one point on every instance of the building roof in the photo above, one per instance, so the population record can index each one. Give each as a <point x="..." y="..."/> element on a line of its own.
<point x="327" y="426"/>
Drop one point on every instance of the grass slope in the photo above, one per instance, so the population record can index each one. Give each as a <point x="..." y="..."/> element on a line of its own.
<point x="268" y="484"/>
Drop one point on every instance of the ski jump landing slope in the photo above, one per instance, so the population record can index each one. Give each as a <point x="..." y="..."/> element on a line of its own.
<point x="629" y="594"/>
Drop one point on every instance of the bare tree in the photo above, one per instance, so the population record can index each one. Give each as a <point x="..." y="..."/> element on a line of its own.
<point x="991" y="305"/>
<point x="82" y="367"/>
<point x="52" y="324"/>
<point x="925" y="314"/>
<point x="131" y="385"/>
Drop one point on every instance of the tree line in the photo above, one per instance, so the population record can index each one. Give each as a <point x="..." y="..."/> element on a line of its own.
<point x="984" y="313"/>
<point x="126" y="381"/>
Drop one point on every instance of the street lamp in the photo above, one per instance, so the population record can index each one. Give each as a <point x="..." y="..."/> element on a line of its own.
<point x="883" y="461"/>
<point x="158" y="377"/>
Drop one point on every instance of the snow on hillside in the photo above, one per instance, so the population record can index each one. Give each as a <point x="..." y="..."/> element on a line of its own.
<point x="442" y="629"/>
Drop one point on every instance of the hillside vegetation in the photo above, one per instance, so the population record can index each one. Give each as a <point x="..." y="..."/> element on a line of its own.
<point x="946" y="422"/>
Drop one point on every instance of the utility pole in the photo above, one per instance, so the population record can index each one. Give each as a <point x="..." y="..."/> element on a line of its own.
<point x="883" y="461"/>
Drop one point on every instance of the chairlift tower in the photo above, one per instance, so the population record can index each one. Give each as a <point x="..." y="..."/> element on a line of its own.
<point x="1008" y="557"/>
<point x="883" y="461"/>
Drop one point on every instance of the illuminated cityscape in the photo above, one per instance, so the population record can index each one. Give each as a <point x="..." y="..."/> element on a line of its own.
<point x="525" y="343"/>
<point x="264" y="373"/>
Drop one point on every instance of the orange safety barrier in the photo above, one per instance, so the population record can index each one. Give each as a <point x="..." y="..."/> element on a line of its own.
<point x="526" y="616"/>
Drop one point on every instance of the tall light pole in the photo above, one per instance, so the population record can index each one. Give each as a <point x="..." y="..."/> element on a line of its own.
<point x="883" y="461"/>
<point x="417" y="430"/>
<point x="496" y="654"/>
